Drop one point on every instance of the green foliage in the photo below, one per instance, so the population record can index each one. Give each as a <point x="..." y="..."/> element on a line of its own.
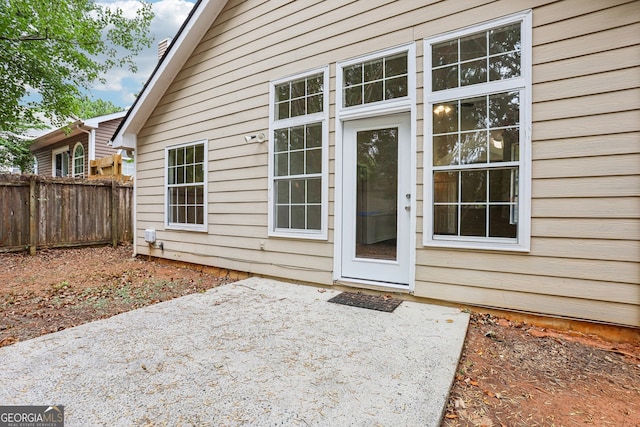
<point x="53" y="51"/>
<point x="90" y="109"/>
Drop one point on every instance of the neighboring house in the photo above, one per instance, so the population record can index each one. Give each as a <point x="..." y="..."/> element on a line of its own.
<point x="476" y="152"/>
<point x="67" y="151"/>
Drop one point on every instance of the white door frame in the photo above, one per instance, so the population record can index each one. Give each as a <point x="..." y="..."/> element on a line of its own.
<point x="338" y="222"/>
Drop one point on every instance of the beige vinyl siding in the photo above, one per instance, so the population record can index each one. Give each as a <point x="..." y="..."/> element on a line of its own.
<point x="103" y="135"/>
<point x="585" y="252"/>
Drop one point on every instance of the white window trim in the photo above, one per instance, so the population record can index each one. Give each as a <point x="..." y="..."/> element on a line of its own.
<point x="187" y="227"/>
<point x="53" y="159"/>
<point x="523" y="84"/>
<point x="323" y="117"/>
<point x="386" y="107"/>
<point x="74" y="173"/>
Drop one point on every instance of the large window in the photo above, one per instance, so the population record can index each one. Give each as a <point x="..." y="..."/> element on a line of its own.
<point x="477" y="93"/>
<point x="298" y="156"/>
<point x="186" y="171"/>
<point x="78" y="160"/>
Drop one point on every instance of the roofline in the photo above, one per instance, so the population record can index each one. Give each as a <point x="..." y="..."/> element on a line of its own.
<point x="202" y="15"/>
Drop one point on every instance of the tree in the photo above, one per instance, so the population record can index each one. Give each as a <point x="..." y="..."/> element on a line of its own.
<point x="53" y="51"/>
<point x="99" y="107"/>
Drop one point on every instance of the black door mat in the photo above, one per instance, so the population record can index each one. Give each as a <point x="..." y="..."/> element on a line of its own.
<point x="372" y="302"/>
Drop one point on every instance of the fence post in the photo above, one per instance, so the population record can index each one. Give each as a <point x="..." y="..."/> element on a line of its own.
<point x="33" y="213"/>
<point x="114" y="214"/>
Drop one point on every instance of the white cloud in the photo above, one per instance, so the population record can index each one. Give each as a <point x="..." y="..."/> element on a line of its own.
<point x="122" y="86"/>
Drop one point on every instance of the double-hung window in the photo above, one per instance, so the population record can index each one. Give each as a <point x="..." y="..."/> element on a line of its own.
<point x="477" y="120"/>
<point x="298" y="156"/>
<point x="186" y="195"/>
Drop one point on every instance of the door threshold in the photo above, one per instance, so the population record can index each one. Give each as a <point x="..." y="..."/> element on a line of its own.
<point x="373" y="285"/>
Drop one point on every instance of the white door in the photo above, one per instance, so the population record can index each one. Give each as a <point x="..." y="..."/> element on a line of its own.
<point x="377" y="199"/>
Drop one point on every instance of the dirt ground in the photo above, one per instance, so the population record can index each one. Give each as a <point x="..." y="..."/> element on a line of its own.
<point x="510" y="374"/>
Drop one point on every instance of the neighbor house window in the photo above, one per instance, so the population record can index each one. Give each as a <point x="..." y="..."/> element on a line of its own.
<point x="78" y="160"/>
<point x="477" y="98"/>
<point x="60" y="161"/>
<point x="298" y="156"/>
<point x="186" y="172"/>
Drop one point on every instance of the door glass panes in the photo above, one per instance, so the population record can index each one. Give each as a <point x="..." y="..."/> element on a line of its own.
<point x="377" y="80"/>
<point x="377" y="194"/>
<point x="299" y="97"/>
<point x="479" y="58"/>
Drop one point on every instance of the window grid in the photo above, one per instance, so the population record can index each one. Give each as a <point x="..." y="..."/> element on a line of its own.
<point x="298" y="156"/>
<point x="475" y="158"/>
<point x="186" y="185"/>
<point x="375" y="80"/>
<point x="78" y="161"/>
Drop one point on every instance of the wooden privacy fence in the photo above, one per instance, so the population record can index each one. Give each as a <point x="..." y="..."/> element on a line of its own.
<point x="45" y="212"/>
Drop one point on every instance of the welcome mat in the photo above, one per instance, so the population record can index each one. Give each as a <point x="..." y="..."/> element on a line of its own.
<point x="372" y="302"/>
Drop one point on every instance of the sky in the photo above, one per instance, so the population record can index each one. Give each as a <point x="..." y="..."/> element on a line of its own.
<point x="122" y="86"/>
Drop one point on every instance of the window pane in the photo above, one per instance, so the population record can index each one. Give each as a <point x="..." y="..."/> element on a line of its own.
<point x="504" y="66"/>
<point x="444" y="78"/>
<point x="500" y="185"/>
<point x="190" y="154"/>
<point x="504" y="109"/>
<point x="503" y="145"/>
<point x="352" y="75"/>
<point x="473" y="220"/>
<point x="474" y="186"/>
<point x="473" y="147"/>
<point x="353" y="96"/>
<point x="314" y="190"/>
<point x="314" y="218"/>
<point x="180" y="175"/>
<point x="445" y="187"/>
<point x="297" y="138"/>
<point x="373" y="70"/>
<point x="298" y="89"/>
<point x="314" y="135"/>
<point x="282" y="92"/>
<point x="472" y="47"/>
<point x="190" y="174"/>
<point x="172" y="158"/>
<point x="282" y="110"/>
<point x="444" y="53"/>
<point x="445" y="220"/>
<point x="473" y="72"/>
<point x="396" y="65"/>
<point x="199" y="153"/>
<point x="180" y="156"/>
<point x="281" y="137"/>
<point x="445" y="150"/>
<point x="314" y="161"/>
<point x="199" y="173"/>
<point x="445" y="117"/>
<point x="282" y="164"/>
<point x="504" y="39"/>
<point x="282" y="217"/>
<point x="297" y="163"/>
<point x="298" y="191"/>
<point x="298" y="217"/>
<point x="473" y="113"/>
<point x="298" y="107"/>
<point x="373" y="92"/>
<point x="314" y="85"/>
<point x="282" y="191"/>
<point x="501" y="223"/>
<point x="315" y="104"/>
<point x="396" y="88"/>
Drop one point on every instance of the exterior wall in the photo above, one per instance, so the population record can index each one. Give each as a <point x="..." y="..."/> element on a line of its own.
<point x="103" y="135"/>
<point x="44" y="155"/>
<point x="584" y="260"/>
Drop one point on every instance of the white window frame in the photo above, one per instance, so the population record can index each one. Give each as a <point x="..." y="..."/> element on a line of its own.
<point x="76" y="173"/>
<point x="54" y="153"/>
<point x="522" y="84"/>
<point x="187" y="227"/>
<point x="322" y="117"/>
